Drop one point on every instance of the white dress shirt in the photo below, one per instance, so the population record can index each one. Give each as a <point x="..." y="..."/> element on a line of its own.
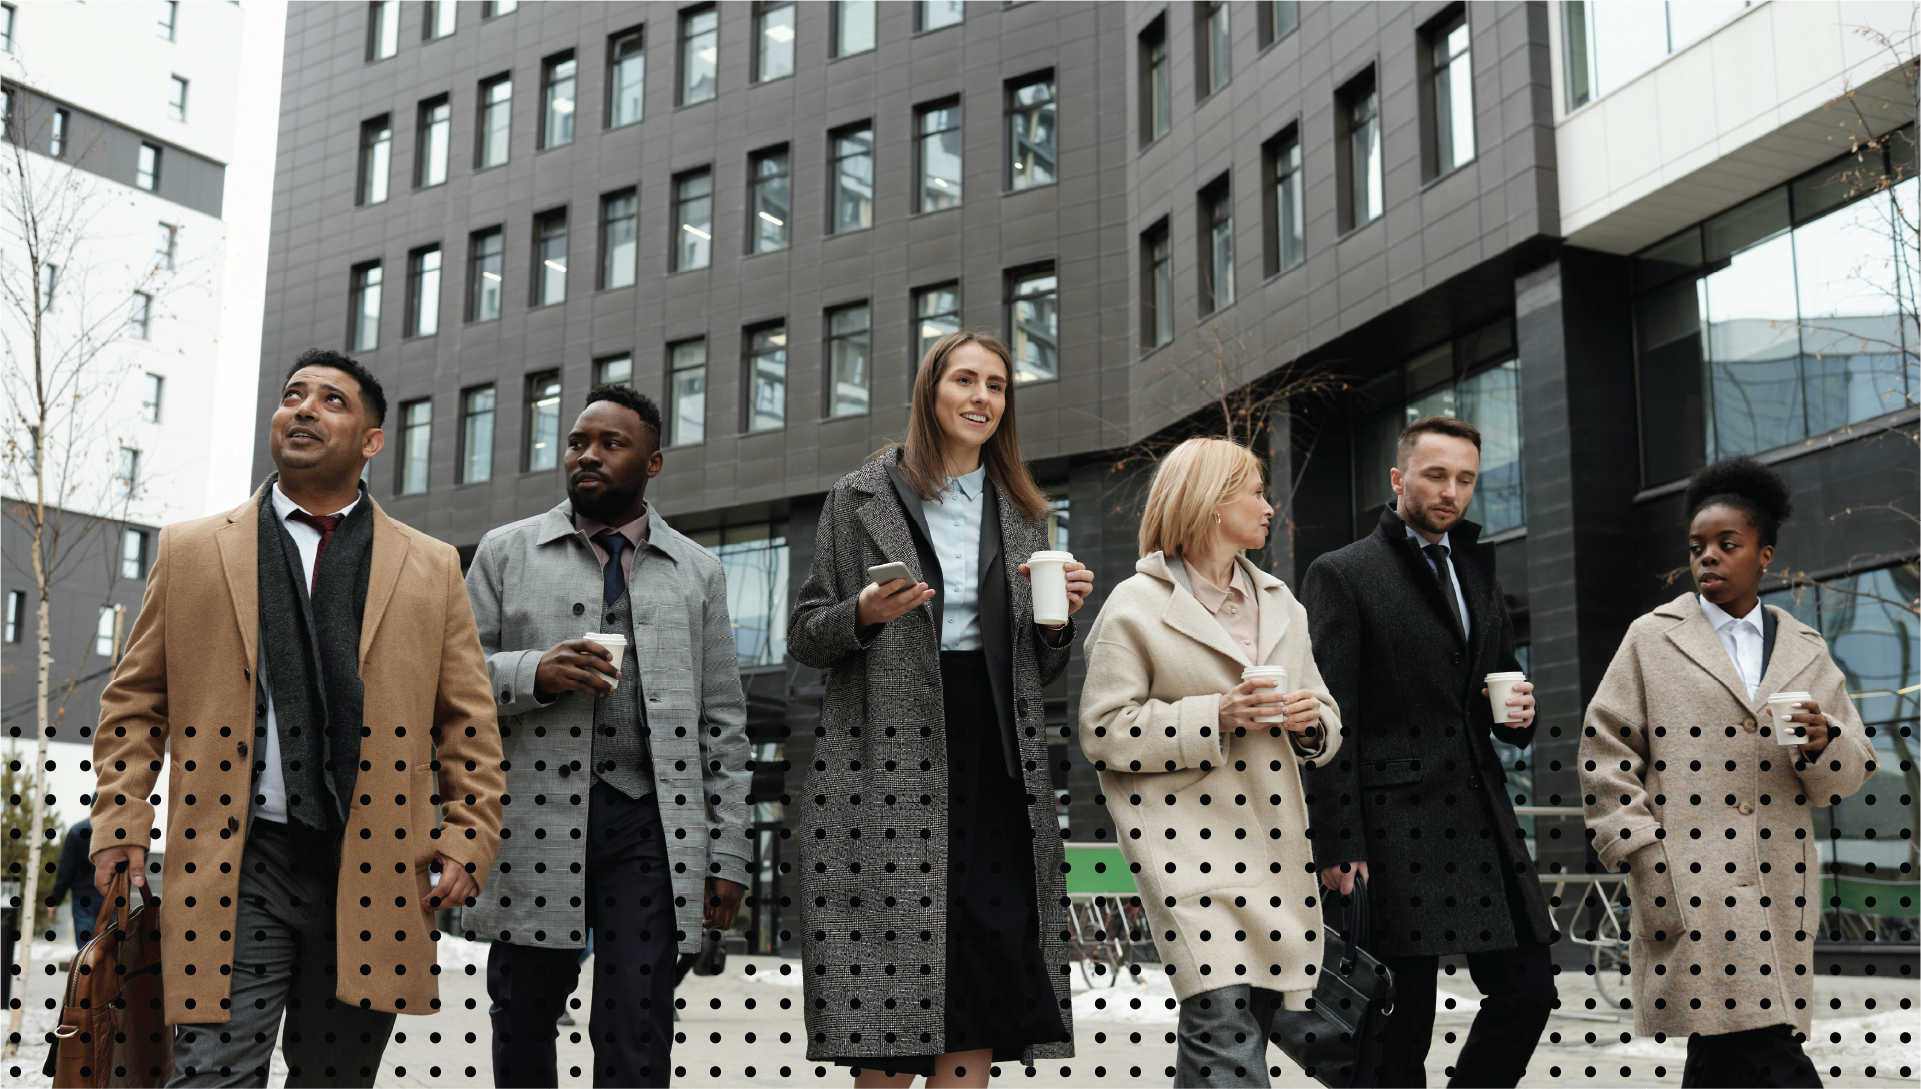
<point x="1452" y="576"/>
<point x="1742" y="637"/>
<point x="270" y="795"/>
<point x="954" y="529"/>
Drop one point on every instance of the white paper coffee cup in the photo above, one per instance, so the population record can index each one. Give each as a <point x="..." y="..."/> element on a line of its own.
<point x="1048" y="573"/>
<point x="1780" y="706"/>
<point x="614" y="642"/>
<point x="1277" y="674"/>
<point x="1499" y="687"/>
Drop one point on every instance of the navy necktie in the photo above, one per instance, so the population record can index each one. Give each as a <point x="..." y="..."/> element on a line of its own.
<point x="1437" y="554"/>
<point x="614" y="575"/>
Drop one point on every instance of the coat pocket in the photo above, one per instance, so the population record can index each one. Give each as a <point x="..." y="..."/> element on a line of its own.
<point x="1655" y="906"/>
<point x="1376" y="774"/>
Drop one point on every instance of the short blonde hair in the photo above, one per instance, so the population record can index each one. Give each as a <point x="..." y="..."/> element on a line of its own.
<point x="1193" y="479"/>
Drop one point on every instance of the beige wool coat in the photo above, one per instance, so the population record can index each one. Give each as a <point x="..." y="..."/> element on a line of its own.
<point x="1215" y="828"/>
<point x="1714" y="822"/>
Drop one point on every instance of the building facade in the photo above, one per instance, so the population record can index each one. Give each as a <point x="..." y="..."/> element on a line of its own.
<point x="760" y="214"/>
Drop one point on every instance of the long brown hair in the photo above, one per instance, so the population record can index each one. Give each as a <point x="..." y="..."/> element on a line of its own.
<point x="920" y="460"/>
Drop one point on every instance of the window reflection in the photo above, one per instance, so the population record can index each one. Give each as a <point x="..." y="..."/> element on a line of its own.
<point x="754" y="559"/>
<point x="1753" y="351"/>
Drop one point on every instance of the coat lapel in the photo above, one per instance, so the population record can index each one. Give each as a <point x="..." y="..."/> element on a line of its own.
<point x="389" y="558"/>
<point x="1394" y="532"/>
<point x="1274" y="618"/>
<point x="1696" y="638"/>
<point x="240" y="560"/>
<point x="1186" y="614"/>
<point x="1793" y="652"/>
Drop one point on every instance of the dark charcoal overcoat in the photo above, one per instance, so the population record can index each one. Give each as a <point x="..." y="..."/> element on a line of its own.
<point x="874" y="830"/>
<point x="1416" y="790"/>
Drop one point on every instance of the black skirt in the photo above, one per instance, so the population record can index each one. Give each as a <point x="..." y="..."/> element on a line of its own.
<point x="998" y="993"/>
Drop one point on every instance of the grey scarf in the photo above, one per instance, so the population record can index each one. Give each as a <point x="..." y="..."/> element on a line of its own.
<point x="312" y="652"/>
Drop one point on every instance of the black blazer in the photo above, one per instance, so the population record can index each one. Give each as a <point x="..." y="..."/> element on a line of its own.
<point x="1416" y="789"/>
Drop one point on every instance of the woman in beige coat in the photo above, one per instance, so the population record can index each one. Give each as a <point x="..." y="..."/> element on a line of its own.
<point x="1207" y="799"/>
<point x="1689" y="792"/>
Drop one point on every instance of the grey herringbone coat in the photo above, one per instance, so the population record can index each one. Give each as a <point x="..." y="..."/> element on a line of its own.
<point x="874" y="831"/>
<point x="537" y="582"/>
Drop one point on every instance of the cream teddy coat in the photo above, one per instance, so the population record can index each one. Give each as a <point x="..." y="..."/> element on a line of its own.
<point x="1215" y="828"/>
<point x="1682" y="776"/>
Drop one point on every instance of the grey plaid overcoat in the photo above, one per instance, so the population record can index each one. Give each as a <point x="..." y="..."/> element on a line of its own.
<point x="537" y="582"/>
<point x="874" y="830"/>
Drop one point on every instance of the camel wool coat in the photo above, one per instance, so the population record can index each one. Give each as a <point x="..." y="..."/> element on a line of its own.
<point x="184" y="693"/>
<point x="1214" y="828"/>
<point x="1686" y="790"/>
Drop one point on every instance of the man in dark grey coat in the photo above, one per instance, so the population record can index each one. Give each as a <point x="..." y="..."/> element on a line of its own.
<point x="626" y="769"/>
<point x="1406" y="622"/>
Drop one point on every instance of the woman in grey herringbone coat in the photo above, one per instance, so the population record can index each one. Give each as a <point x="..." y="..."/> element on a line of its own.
<point x="932" y="896"/>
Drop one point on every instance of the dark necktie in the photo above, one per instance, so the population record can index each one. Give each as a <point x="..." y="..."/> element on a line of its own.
<point x="325" y="524"/>
<point x="1438" y="554"/>
<point x="614" y="575"/>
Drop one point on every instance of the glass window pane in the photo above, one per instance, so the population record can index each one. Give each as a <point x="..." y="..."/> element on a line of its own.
<point x="1163" y="266"/>
<point x="847" y="354"/>
<point x="1453" y="96"/>
<point x="626" y="79"/>
<point x="940" y="158"/>
<point x="1034" y="322"/>
<point x="854" y="180"/>
<point x="425" y="318"/>
<point x="436" y="126"/>
<point x="935" y="14"/>
<point x="618" y="244"/>
<point x="1746" y="224"/>
<point x="477" y="436"/>
<point x="767" y="379"/>
<point x="1871" y="636"/>
<point x="695" y="234"/>
<point x="543" y="422"/>
<point x="687" y="392"/>
<point x="936" y="313"/>
<point x="558" y="125"/>
<point x="1852" y="341"/>
<point x="776" y="41"/>
<point x="1364" y="139"/>
<point x="133" y="552"/>
<point x="550" y="284"/>
<point x="1162" y="91"/>
<point x="614" y="371"/>
<point x="756" y="569"/>
<point x="856" y="27"/>
<point x="444" y="14"/>
<point x="1220" y="247"/>
<point x="1292" y="215"/>
<point x="484" y="280"/>
<point x="771" y="213"/>
<point x="417" y="419"/>
<point x="699" y="55"/>
<point x="1031" y="135"/>
<point x="376" y="158"/>
<point x="1753" y="352"/>
<point x="1374" y="446"/>
<point x="1491" y="401"/>
<point x="496" y="119"/>
<point x="367" y="309"/>
<point x="103" y="632"/>
<point x="1219" y="48"/>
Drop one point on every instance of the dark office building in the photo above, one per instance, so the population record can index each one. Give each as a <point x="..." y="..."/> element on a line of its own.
<point x="759" y="214"/>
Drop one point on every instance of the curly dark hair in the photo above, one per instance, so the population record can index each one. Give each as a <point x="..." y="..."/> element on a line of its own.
<point x="373" y="398"/>
<point x="1749" y="487"/>
<point x="629" y="397"/>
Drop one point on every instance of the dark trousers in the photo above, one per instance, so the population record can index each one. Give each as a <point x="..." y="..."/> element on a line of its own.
<point x="1519" y="989"/>
<point x="630" y="908"/>
<point x="1769" y="1056"/>
<point x="1223" y="1037"/>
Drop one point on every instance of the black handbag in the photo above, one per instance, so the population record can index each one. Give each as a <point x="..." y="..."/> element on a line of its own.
<point x="1337" y="1040"/>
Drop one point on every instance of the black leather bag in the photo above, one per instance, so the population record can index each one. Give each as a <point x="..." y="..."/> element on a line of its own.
<point x="1337" y="1041"/>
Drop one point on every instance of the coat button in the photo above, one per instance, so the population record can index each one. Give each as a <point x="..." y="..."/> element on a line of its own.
<point x="506" y="695"/>
<point x="1747" y="810"/>
<point x="611" y="619"/>
<point x="579" y="608"/>
<point x="1747" y="724"/>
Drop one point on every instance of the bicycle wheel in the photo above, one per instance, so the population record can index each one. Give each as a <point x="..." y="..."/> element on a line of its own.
<point x="1610" y="960"/>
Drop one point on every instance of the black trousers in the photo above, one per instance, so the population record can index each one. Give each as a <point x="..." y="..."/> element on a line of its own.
<point x="630" y="908"/>
<point x="1769" y="1056"/>
<point x="1519" y="989"/>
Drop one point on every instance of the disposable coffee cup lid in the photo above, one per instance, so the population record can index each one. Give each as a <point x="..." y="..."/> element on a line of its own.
<point x="1507" y="677"/>
<point x="606" y="637"/>
<point x="1045" y="556"/>
<point x="1778" y="696"/>
<point x="1262" y="671"/>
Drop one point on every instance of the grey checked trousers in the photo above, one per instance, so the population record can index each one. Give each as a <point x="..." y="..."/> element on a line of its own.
<point x="1223" y="1037"/>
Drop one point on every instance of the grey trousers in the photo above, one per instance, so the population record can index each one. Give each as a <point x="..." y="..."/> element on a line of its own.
<point x="284" y="962"/>
<point x="1223" y="1037"/>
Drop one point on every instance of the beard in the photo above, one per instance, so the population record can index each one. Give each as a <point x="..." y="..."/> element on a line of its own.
<point x="608" y="503"/>
<point x="1421" y="516"/>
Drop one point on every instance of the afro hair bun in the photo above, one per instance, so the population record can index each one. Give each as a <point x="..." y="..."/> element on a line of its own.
<point x="1747" y="485"/>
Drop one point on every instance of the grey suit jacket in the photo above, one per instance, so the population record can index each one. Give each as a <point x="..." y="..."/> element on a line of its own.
<point x="537" y="582"/>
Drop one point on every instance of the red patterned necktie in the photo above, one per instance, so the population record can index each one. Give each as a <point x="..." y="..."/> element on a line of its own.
<point x="326" y="524"/>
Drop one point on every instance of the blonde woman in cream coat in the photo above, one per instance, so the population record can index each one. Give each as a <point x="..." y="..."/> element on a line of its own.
<point x="1207" y="801"/>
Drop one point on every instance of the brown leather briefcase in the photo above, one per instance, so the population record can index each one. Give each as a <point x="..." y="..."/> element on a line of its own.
<point x="113" y="1027"/>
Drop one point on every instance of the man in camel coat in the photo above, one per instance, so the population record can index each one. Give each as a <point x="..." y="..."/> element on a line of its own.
<point x="300" y="868"/>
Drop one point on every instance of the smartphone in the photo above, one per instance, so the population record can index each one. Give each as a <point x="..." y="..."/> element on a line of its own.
<point x="888" y="572"/>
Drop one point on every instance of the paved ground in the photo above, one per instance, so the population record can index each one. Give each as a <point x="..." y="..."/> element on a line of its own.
<point x="744" y="1028"/>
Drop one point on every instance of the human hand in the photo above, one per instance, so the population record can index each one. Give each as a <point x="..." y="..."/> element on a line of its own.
<point x="112" y="860"/>
<point x="1520" y="706"/>
<point x="1341" y="878"/>
<point x="1249" y="700"/>
<point x="723" y="903"/>
<point x="880" y="602"/>
<point x="1303" y="714"/>
<point x="457" y="887"/>
<point x="1814" y="727"/>
<point x="576" y="665"/>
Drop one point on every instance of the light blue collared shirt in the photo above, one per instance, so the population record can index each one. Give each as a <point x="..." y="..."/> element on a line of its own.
<point x="954" y="529"/>
<point x="1452" y="576"/>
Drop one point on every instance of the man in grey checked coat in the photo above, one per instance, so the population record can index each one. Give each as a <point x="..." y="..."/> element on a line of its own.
<point x="626" y="807"/>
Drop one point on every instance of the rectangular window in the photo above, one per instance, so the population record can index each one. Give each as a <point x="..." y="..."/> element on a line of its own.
<point x="1278" y="19"/>
<point x="935" y="14"/>
<point x="770" y="229"/>
<point x="1285" y="236"/>
<point x="619" y="234"/>
<point x="766" y="384"/>
<point x="693" y="220"/>
<point x="614" y="370"/>
<point x="852" y="178"/>
<point x="151" y="389"/>
<point x="383" y="29"/>
<point x="169" y="18"/>
<point x="557" y="100"/>
<point x="853" y="26"/>
<point x="496" y="122"/>
<point x="1033" y="323"/>
<point x="7" y="13"/>
<point x="16" y="599"/>
<point x="437" y="21"/>
<point x="146" y="171"/>
<point x="1212" y="46"/>
<point x="687" y="393"/>
<point x="476" y="435"/>
<point x="126" y="473"/>
<point x="1157" y="83"/>
<point x="57" y="135"/>
<point x="140" y="316"/>
<point x="1358" y="132"/>
<point x="376" y="157"/>
<point x="433" y="135"/>
<point x="177" y="99"/>
<point x="699" y="55"/>
<point x="1157" y="287"/>
<point x="416" y="435"/>
<point x="103" y="631"/>
<point x="49" y="284"/>
<point x="626" y="77"/>
<point x="939" y="147"/>
<point x="1447" y="100"/>
<point x="423" y="292"/>
<point x="1217" y="246"/>
<point x="365" y="334"/>
<point x="484" y="266"/>
<point x="493" y="9"/>
<point x="543" y="422"/>
<point x="937" y="312"/>
<point x="550" y="258"/>
<point x="133" y="554"/>
<point x="847" y="360"/>
<point x="1030" y="132"/>
<point x="164" y="243"/>
<point x="773" y="40"/>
